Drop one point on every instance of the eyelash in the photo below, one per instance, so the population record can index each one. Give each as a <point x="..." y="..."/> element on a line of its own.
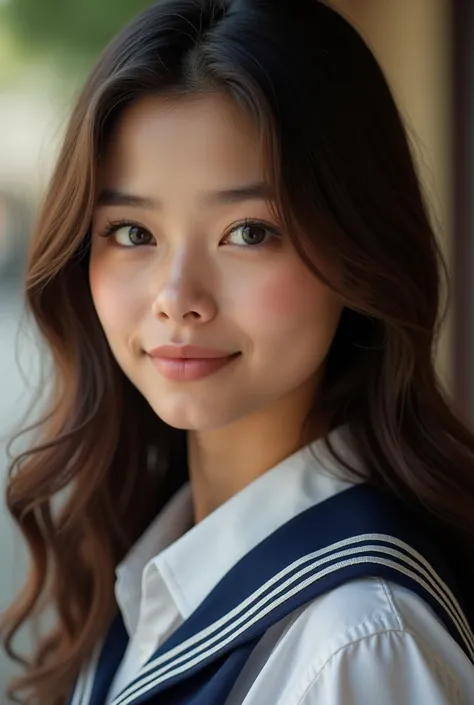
<point x="113" y="226"/>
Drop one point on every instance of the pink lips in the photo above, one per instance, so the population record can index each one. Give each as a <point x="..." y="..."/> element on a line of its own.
<point x="189" y="362"/>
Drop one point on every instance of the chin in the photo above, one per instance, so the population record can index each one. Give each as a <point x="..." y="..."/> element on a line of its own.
<point x="197" y="419"/>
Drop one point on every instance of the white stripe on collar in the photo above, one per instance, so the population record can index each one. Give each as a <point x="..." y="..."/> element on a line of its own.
<point x="85" y="682"/>
<point x="274" y="592"/>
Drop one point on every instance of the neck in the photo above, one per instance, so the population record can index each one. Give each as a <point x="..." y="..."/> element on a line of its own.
<point x="223" y="461"/>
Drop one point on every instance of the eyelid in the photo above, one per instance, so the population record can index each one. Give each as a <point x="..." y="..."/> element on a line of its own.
<point x="112" y="226"/>
<point x="253" y="221"/>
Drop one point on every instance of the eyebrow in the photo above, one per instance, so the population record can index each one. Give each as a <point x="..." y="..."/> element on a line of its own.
<point x="257" y="191"/>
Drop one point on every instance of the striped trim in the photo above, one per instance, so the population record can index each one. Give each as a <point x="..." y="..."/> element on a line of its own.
<point x="79" y="688"/>
<point x="211" y="640"/>
<point x="85" y="682"/>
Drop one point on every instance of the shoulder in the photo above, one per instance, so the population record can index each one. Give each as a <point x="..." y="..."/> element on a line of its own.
<point x="368" y="634"/>
<point x="363" y="608"/>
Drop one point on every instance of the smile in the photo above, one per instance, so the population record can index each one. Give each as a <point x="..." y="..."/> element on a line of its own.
<point x="189" y="369"/>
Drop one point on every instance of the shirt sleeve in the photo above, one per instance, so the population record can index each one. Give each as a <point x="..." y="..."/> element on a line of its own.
<point x="390" y="667"/>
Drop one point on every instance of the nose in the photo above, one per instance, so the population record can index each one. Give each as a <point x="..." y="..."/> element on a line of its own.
<point x="184" y="297"/>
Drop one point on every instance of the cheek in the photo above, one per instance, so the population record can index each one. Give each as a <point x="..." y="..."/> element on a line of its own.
<point x="292" y="301"/>
<point x="112" y="296"/>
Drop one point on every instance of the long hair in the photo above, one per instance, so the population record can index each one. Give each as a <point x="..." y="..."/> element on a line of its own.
<point x="348" y="190"/>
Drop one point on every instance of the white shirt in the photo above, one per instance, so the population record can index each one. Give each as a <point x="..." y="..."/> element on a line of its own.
<point x="367" y="642"/>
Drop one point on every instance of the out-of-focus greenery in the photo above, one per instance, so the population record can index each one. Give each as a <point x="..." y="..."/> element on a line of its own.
<point x="74" y="27"/>
<point x="11" y="55"/>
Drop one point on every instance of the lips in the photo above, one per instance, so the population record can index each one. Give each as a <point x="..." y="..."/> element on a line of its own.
<point x="186" y="352"/>
<point x="189" y="362"/>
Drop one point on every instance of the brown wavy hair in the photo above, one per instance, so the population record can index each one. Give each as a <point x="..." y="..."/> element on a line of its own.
<point x="102" y="464"/>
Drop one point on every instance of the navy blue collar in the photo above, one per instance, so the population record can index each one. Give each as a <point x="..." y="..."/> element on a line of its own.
<point x="359" y="532"/>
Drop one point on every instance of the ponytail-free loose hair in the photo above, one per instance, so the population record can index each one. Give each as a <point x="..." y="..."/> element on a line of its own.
<point x="347" y="191"/>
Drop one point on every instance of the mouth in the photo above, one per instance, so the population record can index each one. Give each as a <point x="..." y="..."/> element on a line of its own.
<point x="188" y="369"/>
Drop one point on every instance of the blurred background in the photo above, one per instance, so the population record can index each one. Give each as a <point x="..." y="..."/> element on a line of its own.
<point x="426" y="48"/>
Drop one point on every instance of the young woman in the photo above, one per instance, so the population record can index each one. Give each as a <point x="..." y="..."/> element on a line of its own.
<point x="248" y="488"/>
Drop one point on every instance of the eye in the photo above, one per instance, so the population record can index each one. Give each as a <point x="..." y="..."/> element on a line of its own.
<point x="251" y="234"/>
<point x="128" y="234"/>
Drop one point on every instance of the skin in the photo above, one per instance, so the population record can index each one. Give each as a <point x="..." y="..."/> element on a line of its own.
<point x="190" y="276"/>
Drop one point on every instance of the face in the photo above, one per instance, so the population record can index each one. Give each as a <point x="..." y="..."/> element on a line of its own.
<point x="186" y="251"/>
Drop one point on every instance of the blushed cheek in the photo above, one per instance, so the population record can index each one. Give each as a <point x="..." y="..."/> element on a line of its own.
<point x="98" y="287"/>
<point x="286" y="300"/>
<point x="111" y="299"/>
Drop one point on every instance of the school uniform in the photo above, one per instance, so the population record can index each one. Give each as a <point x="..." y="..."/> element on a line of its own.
<point x="308" y="587"/>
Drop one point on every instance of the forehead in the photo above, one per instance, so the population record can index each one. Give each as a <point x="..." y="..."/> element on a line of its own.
<point x="208" y="138"/>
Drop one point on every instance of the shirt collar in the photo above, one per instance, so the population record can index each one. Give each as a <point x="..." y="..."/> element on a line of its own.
<point x="173" y="521"/>
<point x="192" y="559"/>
